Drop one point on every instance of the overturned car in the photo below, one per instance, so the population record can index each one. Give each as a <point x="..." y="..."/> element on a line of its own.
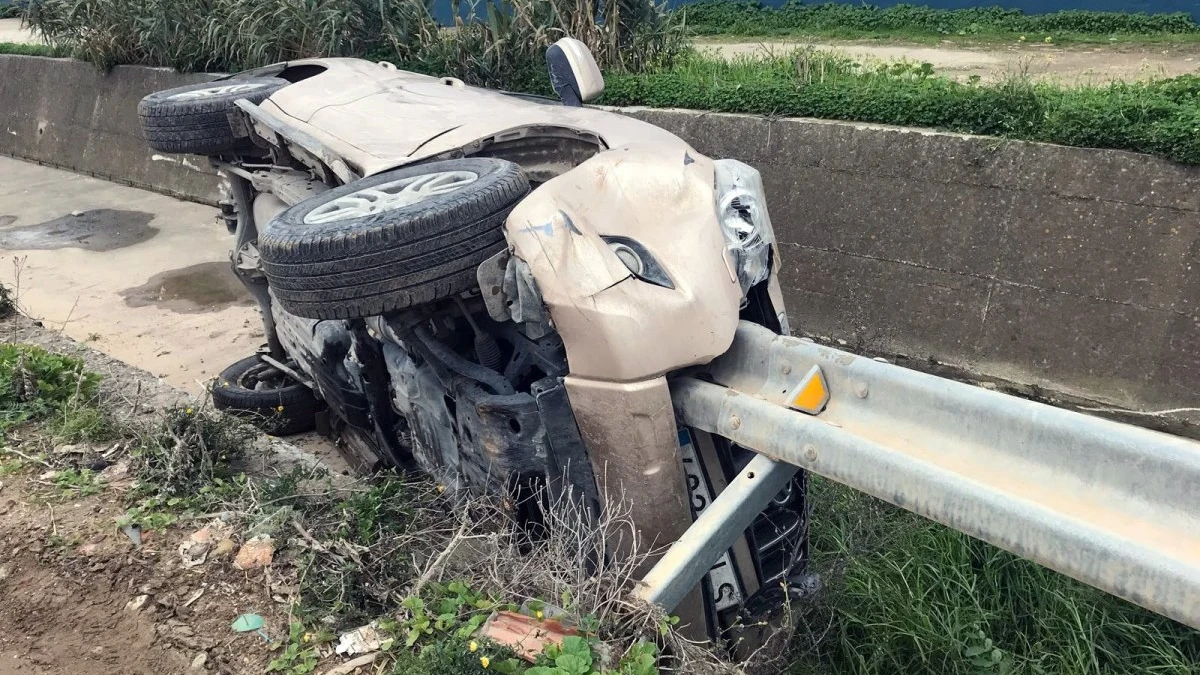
<point x="495" y="289"/>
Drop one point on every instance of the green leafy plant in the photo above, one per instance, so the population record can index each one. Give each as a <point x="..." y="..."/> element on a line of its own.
<point x="1159" y="117"/>
<point x="299" y="656"/>
<point x="36" y="384"/>
<point x="75" y="483"/>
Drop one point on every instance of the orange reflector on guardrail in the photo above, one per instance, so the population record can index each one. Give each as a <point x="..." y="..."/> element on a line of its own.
<point x="812" y="394"/>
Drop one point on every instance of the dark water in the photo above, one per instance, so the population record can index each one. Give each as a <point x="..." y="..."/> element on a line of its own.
<point x="96" y="230"/>
<point x="199" y="288"/>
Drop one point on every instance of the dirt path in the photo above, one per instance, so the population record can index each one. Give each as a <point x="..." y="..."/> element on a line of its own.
<point x="1068" y="65"/>
<point x="142" y="277"/>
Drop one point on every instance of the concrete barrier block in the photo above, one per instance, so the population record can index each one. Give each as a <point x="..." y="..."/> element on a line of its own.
<point x="68" y="114"/>
<point x="1110" y="250"/>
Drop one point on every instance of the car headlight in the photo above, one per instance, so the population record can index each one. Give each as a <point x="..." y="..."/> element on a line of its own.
<point x="742" y="212"/>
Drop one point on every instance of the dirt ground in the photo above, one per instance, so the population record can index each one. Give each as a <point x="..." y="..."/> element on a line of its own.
<point x="68" y="574"/>
<point x="1075" y="64"/>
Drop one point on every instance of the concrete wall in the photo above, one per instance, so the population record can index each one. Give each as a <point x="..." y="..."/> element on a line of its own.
<point x="1074" y="271"/>
<point x="67" y="114"/>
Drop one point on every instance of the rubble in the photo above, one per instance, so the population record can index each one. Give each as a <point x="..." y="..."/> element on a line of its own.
<point x="256" y="553"/>
<point x="360" y="641"/>
<point x="525" y="635"/>
<point x="138" y="603"/>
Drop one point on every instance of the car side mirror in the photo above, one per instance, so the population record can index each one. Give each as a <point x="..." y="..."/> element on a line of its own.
<point x="573" y="72"/>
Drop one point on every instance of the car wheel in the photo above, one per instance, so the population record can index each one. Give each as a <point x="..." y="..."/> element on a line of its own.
<point x="266" y="397"/>
<point x="194" y="119"/>
<point x="390" y="241"/>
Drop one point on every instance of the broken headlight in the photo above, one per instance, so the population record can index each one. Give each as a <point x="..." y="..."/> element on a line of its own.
<point x="742" y="211"/>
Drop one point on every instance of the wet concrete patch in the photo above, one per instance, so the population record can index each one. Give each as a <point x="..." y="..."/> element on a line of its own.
<point x="198" y="288"/>
<point x="95" y="230"/>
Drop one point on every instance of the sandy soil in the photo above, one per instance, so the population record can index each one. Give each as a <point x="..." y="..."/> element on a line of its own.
<point x="1069" y="65"/>
<point x="12" y="31"/>
<point x="140" y="276"/>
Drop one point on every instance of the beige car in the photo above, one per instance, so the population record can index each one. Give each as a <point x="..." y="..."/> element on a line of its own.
<point x="495" y="289"/>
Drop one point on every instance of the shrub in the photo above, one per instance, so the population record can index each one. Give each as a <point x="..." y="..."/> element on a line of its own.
<point x="224" y="34"/>
<point x="497" y="43"/>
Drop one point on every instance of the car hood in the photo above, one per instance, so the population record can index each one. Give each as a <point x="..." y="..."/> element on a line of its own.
<point x="377" y="118"/>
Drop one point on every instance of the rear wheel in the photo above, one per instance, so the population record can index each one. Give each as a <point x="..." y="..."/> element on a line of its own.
<point x="266" y="397"/>
<point x="194" y="119"/>
<point x="390" y="241"/>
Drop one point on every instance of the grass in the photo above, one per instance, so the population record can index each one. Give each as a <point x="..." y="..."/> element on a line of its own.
<point x="909" y="596"/>
<point x="925" y="24"/>
<point x="1160" y="117"/>
<point x="902" y="594"/>
<point x="23" y="49"/>
<point x="56" y="390"/>
<point x="428" y="570"/>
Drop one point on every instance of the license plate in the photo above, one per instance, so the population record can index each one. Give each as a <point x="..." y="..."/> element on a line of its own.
<point x="722" y="577"/>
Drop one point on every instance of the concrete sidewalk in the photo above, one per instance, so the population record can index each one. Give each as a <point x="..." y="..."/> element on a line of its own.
<point x="142" y="277"/>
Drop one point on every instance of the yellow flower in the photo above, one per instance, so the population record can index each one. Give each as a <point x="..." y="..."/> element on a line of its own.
<point x="540" y="615"/>
<point x="1021" y="39"/>
<point x="308" y="637"/>
<point x="485" y="661"/>
<point x="189" y="411"/>
<point x="279" y="409"/>
<point x="1049" y="39"/>
<point x="441" y="489"/>
<point x="473" y="646"/>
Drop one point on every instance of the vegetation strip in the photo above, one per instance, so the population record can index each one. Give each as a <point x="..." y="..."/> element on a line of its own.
<point x="1159" y="118"/>
<point x="908" y="21"/>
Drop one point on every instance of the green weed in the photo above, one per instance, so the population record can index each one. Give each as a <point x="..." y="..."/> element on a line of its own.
<point x="23" y="49"/>
<point x="76" y="483"/>
<point x="1159" y="118"/>
<point x="10" y="467"/>
<point x="732" y="17"/>
<point x="905" y="595"/>
<point x="299" y="656"/>
<point x="38" y="385"/>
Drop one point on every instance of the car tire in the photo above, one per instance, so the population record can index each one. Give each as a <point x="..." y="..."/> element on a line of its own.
<point x="194" y="119"/>
<point x="390" y="241"/>
<point x="266" y="397"/>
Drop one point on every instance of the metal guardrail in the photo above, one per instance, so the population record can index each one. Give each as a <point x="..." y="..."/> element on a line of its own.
<point x="1112" y="505"/>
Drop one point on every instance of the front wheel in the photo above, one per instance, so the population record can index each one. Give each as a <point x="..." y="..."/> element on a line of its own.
<point x="390" y="241"/>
